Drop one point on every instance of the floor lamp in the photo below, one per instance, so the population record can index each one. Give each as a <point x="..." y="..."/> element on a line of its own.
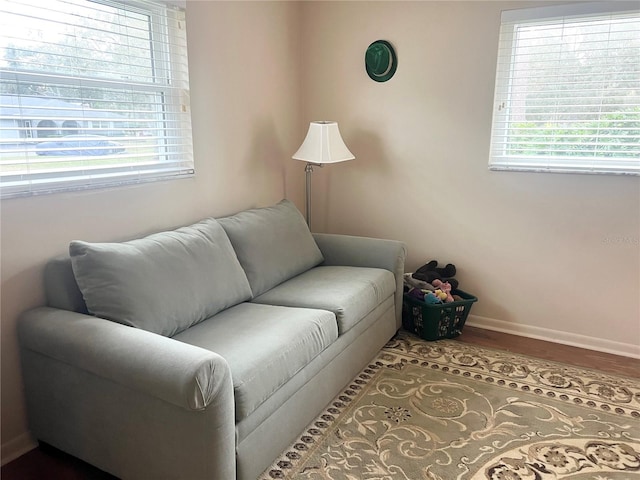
<point x="323" y="144"/>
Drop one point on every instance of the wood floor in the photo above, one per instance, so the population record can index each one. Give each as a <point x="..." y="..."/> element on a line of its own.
<point x="48" y="463"/>
<point x="605" y="362"/>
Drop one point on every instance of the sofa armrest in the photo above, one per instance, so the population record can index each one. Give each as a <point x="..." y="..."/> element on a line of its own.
<point x="362" y="251"/>
<point x="366" y="252"/>
<point x="186" y="376"/>
<point x="130" y="402"/>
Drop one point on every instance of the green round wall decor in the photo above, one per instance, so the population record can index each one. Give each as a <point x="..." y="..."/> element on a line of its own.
<point x="380" y="61"/>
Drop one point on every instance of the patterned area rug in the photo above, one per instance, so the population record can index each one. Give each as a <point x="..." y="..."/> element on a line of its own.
<point x="445" y="410"/>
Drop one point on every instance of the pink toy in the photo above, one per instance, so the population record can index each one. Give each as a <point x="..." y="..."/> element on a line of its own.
<point x="445" y="287"/>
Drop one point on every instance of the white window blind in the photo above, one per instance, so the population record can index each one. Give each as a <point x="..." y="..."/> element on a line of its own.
<point x="93" y="93"/>
<point x="567" y="95"/>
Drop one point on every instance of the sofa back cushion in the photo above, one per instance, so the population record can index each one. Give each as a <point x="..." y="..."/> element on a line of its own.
<point x="163" y="283"/>
<point x="61" y="287"/>
<point x="273" y="244"/>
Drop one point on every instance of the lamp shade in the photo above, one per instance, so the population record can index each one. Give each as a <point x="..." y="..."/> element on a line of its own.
<point x="323" y="144"/>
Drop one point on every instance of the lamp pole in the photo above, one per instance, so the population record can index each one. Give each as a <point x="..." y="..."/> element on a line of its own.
<point x="308" y="171"/>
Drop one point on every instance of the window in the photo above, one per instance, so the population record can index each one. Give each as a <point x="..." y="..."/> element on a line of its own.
<point x="567" y="95"/>
<point x="93" y="93"/>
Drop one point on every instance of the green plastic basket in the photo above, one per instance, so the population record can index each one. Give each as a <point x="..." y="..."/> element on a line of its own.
<point x="434" y="322"/>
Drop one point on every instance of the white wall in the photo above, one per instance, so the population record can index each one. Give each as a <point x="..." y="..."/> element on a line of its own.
<point x="244" y="67"/>
<point x="549" y="255"/>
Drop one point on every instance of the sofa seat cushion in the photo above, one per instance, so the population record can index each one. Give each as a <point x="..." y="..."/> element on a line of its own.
<point x="163" y="283"/>
<point x="273" y="244"/>
<point x="264" y="345"/>
<point x="349" y="292"/>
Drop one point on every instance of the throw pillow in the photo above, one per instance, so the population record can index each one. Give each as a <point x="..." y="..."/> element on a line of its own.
<point x="163" y="283"/>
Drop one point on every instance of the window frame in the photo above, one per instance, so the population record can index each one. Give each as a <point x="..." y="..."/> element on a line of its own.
<point x="499" y="158"/>
<point x="174" y="110"/>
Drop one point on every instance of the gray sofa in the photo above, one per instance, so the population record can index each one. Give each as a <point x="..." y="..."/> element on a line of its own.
<point x="244" y="329"/>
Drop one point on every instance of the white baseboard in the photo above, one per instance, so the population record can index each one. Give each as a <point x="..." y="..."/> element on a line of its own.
<point x="556" y="336"/>
<point x="16" y="447"/>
